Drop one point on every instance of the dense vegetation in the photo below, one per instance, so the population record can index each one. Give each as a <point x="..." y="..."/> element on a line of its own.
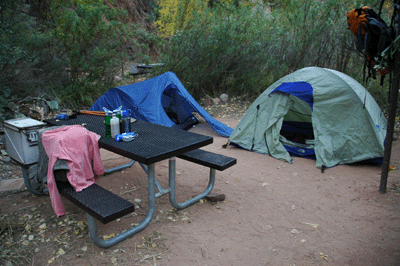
<point x="64" y="51"/>
<point x="71" y="51"/>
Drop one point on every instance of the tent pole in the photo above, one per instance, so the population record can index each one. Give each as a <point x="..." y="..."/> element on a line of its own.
<point x="392" y="115"/>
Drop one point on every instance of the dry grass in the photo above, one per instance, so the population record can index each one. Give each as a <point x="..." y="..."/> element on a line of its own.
<point x="15" y="250"/>
<point x="28" y="231"/>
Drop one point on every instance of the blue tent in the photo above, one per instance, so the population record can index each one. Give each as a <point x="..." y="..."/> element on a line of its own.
<point x="161" y="100"/>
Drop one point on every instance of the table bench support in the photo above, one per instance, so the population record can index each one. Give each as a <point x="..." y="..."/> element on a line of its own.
<point x="130" y="232"/>
<point x="161" y="190"/>
<point x="172" y="186"/>
<point x="115" y="169"/>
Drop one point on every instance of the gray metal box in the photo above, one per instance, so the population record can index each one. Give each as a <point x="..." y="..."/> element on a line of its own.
<point x="22" y="139"/>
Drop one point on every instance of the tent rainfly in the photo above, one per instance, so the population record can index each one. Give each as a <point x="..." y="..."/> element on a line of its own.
<point x="316" y="113"/>
<point x="161" y="100"/>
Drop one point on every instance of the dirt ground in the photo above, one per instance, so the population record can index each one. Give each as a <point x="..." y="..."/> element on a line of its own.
<point x="274" y="213"/>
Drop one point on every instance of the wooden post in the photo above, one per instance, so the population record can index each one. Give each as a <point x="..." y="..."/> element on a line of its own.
<point x="392" y="115"/>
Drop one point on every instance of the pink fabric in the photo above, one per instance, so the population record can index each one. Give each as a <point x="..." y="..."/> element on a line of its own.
<point x="79" y="147"/>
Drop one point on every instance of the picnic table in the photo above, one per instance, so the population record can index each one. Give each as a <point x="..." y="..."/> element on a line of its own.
<point x="153" y="143"/>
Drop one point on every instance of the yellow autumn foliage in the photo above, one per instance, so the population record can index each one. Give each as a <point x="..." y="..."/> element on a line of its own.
<point x="174" y="14"/>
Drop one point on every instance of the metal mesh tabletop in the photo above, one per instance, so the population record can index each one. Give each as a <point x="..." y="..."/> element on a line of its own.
<point x="153" y="142"/>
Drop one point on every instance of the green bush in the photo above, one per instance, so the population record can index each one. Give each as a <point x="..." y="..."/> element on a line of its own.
<point x="91" y="40"/>
<point x="73" y="49"/>
<point x="241" y="50"/>
<point x="67" y="49"/>
<point x="19" y="47"/>
<point x="4" y="94"/>
<point x="223" y="49"/>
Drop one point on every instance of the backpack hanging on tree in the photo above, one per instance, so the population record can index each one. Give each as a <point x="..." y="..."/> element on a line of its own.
<point x="373" y="37"/>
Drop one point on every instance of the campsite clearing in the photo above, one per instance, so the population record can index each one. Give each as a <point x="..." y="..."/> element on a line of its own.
<point x="274" y="213"/>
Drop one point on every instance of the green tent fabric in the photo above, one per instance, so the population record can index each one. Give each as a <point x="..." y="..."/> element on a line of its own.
<point x="347" y="124"/>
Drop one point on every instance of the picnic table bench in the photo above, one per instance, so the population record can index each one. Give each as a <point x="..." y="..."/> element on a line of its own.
<point x="95" y="200"/>
<point x="104" y="206"/>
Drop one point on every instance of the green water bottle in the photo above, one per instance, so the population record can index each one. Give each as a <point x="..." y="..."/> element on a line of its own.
<point x="107" y="123"/>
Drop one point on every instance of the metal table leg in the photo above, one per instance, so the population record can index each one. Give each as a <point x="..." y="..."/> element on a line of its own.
<point x="130" y="232"/>
<point x="161" y="190"/>
<point x="172" y="186"/>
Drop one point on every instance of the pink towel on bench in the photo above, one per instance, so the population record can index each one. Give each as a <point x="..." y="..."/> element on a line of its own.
<point x="79" y="147"/>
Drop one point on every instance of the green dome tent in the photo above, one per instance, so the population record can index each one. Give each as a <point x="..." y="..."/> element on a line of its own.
<point x="316" y="113"/>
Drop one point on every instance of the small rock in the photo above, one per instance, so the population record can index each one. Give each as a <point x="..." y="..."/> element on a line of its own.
<point x="294" y="231"/>
<point x="214" y="197"/>
<point x="216" y="100"/>
<point x="224" y="97"/>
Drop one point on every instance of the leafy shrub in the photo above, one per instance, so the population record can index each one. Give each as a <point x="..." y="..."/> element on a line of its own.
<point x="90" y="38"/>
<point x="312" y="33"/>
<point x="68" y="49"/>
<point x="242" y="49"/>
<point x="223" y="49"/>
<point x="4" y="94"/>
<point x="20" y="45"/>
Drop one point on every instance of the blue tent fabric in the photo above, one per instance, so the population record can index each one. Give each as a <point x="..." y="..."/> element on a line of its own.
<point x="300" y="89"/>
<point x="300" y="152"/>
<point x="161" y="100"/>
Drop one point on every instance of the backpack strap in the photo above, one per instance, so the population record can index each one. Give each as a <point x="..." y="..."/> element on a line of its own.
<point x="368" y="62"/>
<point x="360" y="41"/>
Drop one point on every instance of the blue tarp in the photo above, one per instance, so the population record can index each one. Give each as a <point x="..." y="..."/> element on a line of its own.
<point x="161" y="100"/>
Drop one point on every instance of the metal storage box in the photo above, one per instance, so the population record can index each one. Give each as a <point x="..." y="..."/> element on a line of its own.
<point x="22" y="139"/>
